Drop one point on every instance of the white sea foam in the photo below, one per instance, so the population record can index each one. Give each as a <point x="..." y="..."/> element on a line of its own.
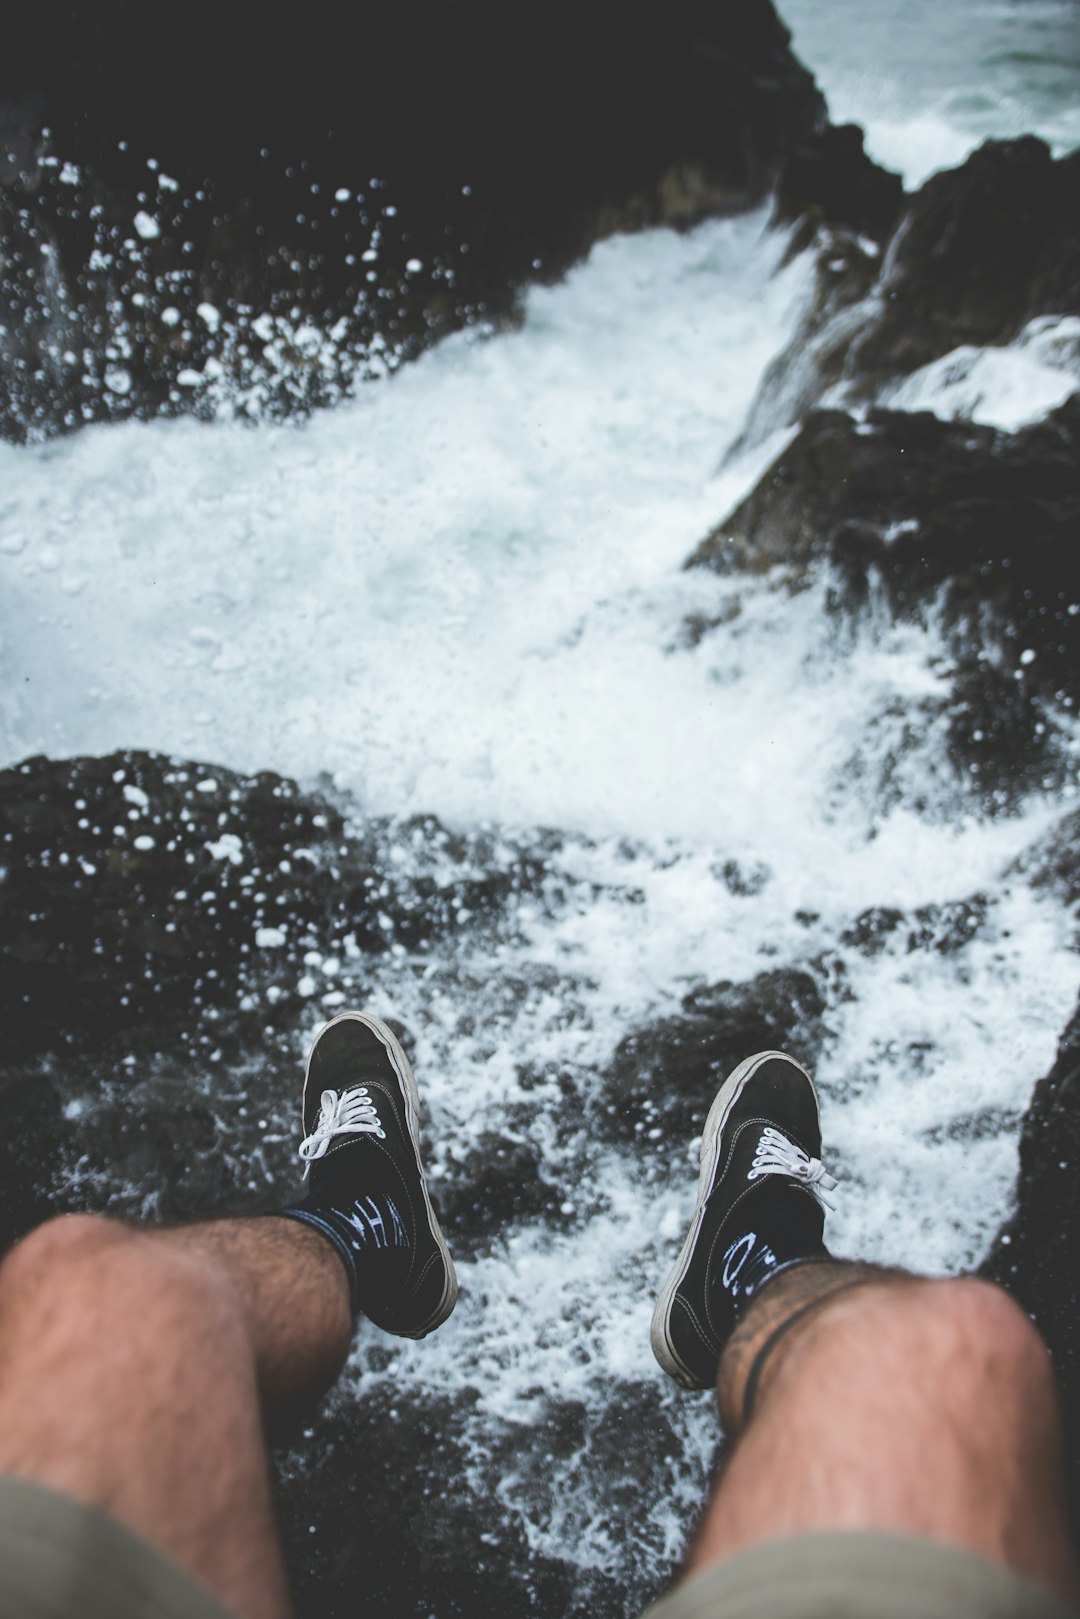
<point x="412" y="591"/>
<point x="1006" y="387"/>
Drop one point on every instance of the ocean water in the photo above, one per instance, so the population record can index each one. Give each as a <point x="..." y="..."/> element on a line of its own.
<point x="928" y="83"/>
<point x="462" y="593"/>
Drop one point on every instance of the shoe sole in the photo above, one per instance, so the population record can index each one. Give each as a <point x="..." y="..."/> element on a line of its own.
<point x="403" y="1070"/>
<point x="726" y="1097"/>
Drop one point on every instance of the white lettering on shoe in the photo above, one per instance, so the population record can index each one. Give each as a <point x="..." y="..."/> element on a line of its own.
<point x="736" y="1258"/>
<point x="367" y="1221"/>
<point x="746" y="1267"/>
<point x="378" y="1227"/>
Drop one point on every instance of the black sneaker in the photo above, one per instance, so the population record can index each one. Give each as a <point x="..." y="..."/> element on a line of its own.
<point x="759" y="1210"/>
<point x="362" y="1136"/>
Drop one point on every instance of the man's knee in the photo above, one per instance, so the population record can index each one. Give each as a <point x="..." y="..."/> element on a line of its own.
<point x="963" y="1338"/>
<point x="86" y="1274"/>
<point x="48" y="1250"/>
<point x="979" y="1323"/>
<point x="966" y="1339"/>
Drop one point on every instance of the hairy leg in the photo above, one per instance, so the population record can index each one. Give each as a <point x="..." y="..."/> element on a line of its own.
<point x="136" y="1368"/>
<point x="892" y="1403"/>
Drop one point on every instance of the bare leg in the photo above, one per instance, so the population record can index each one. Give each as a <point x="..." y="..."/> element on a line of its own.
<point x="136" y="1368"/>
<point x="925" y="1407"/>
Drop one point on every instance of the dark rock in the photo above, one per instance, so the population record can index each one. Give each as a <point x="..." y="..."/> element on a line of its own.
<point x="830" y="180"/>
<point x="140" y="891"/>
<point x="871" y="929"/>
<point x="663" y="1077"/>
<point x="972" y="257"/>
<point x="164" y="924"/>
<point x="1035" y="1255"/>
<point x="117" y="911"/>
<point x="974" y="527"/>
<point x="1001" y="733"/>
<point x="743" y="880"/>
<point x="344" y="1568"/>
<point x="983" y="1125"/>
<point x="945" y="928"/>
<point x="498" y="1182"/>
<point x="979" y="251"/>
<point x="208" y="164"/>
<point x="846" y="266"/>
<point x="616" y="1455"/>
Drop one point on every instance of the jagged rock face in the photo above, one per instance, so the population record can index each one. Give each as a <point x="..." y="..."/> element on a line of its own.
<point x="1035" y="1254"/>
<point x="663" y="1077"/>
<point x="978" y="526"/>
<point x="969" y="259"/>
<point x="830" y="180"/>
<point x="224" y="211"/>
<point x="979" y="251"/>
<point x="148" y="889"/>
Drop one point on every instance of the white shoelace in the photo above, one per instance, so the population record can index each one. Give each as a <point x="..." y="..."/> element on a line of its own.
<point x="350" y="1113"/>
<point x="776" y="1155"/>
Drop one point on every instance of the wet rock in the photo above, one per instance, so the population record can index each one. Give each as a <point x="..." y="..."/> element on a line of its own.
<point x="498" y="1182"/>
<point x="364" y="1557"/>
<point x="338" y="201"/>
<point x="945" y="928"/>
<point x="967" y="525"/>
<point x="846" y="266"/>
<point x="829" y="179"/>
<point x="663" y="1077"/>
<point x="872" y="929"/>
<point x="969" y="259"/>
<point x="141" y="891"/>
<point x="1035" y="1255"/>
<point x="368" y="1556"/>
<point x="166" y="925"/>
<point x="152" y="1134"/>
<point x="982" y="1125"/>
<point x="980" y="250"/>
<point x="138" y="888"/>
<point x="1002" y="734"/>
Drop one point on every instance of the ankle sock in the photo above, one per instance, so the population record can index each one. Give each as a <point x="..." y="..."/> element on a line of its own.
<point x="783" y="1228"/>
<point x="368" y="1235"/>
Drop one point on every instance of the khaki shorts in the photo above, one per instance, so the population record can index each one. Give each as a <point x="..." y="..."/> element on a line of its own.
<point x="857" y="1574"/>
<point x="60" y="1559"/>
